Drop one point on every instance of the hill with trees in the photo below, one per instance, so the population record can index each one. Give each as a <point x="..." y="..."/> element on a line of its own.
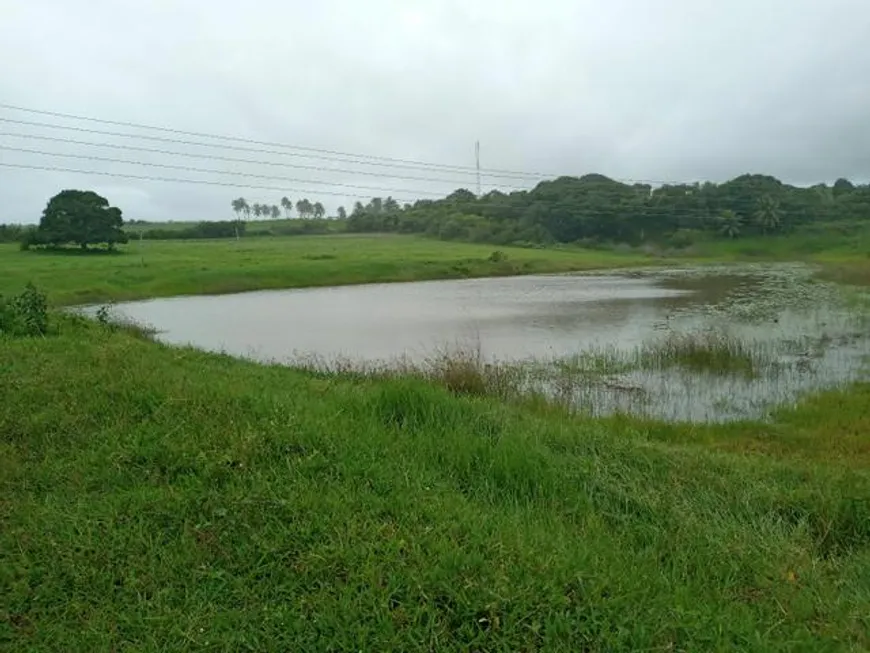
<point x="587" y="210"/>
<point x="595" y="208"/>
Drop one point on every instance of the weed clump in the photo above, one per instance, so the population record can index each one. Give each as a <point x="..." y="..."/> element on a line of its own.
<point x="25" y="314"/>
<point x="713" y="352"/>
<point x="461" y="371"/>
<point x="464" y="370"/>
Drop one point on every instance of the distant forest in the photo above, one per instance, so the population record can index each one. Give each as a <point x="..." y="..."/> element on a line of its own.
<point x="596" y="209"/>
<point x="588" y="210"/>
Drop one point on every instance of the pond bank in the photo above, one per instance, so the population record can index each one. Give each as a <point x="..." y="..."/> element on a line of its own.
<point x="217" y="502"/>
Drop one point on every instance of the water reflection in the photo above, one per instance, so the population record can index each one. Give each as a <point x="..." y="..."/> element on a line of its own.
<point x="813" y="338"/>
<point x="511" y="318"/>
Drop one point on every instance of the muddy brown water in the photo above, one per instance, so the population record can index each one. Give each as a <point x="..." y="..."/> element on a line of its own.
<point x="548" y="317"/>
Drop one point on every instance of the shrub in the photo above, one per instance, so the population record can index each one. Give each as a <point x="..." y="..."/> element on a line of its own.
<point x="683" y="238"/>
<point x="25" y="314"/>
<point x="301" y="227"/>
<point x="30" y="237"/>
<point x="201" y="230"/>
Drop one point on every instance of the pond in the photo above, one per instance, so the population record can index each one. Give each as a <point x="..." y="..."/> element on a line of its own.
<point x="707" y="343"/>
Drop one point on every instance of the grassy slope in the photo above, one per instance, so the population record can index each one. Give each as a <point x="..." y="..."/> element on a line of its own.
<point x="174" y="500"/>
<point x="825" y="246"/>
<point x="161" y="499"/>
<point x="165" y="268"/>
<point x="199" y="267"/>
<point x="844" y="257"/>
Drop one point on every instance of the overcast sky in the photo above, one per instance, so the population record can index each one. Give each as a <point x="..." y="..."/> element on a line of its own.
<point x="677" y="90"/>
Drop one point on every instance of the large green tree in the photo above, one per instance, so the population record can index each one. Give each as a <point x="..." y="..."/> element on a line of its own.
<point x="842" y="187"/>
<point x="83" y="218"/>
<point x="376" y="206"/>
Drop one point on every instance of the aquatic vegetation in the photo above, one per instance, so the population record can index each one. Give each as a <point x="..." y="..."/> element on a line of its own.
<point x="769" y="342"/>
<point x="711" y="351"/>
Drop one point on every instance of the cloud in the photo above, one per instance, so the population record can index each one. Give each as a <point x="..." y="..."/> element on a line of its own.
<point x="676" y="90"/>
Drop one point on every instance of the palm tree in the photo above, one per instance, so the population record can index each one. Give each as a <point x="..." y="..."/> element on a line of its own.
<point x="730" y="224"/>
<point x="769" y="215"/>
<point x="304" y="208"/>
<point x="240" y="206"/>
<point x="318" y="210"/>
<point x="276" y="212"/>
<point x="287" y="205"/>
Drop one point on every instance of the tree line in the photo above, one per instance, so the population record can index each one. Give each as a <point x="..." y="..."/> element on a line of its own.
<point x="595" y="208"/>
<point x="304" y="208"/>
<point x="586" y="210"/>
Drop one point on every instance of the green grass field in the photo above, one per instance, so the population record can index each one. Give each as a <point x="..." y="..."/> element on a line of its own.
<point x="163" y="499"/>
<point x="164" y="268"/>
<point x="822" y="243"/>
<point x="251" y="226"/>
<point x="158" y="499"/>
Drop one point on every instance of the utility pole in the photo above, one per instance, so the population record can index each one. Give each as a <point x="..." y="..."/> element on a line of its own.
<point x="477" y="158"/>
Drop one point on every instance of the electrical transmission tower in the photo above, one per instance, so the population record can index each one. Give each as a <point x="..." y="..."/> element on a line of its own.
<point x="477" y="159"/>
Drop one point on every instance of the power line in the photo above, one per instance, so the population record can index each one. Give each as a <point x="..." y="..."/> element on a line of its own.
<point x="213" y="157"/>
<point x="167" y="166"/>
<point x="204" y="182"/>
<point x="181" y="132"/>
<point x="477" y="161"/>
<point x="238" y="148"/>
<point x="317" y="153"/>
<point x="645" y="211"/>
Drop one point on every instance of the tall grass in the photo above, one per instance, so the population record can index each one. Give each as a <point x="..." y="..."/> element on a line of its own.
<point x="158" y="499"/>
<point x="568" y="382"/>
<point x="708" y="351"/>
<point x="461" y="368"/>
